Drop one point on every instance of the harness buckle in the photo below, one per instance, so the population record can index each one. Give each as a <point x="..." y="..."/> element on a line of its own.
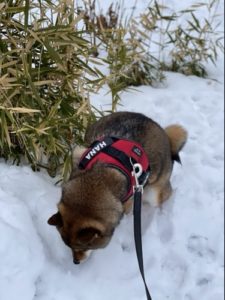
<point x="136" y="173"/>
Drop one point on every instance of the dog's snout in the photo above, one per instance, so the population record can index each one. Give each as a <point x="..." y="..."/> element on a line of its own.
<point x="76" y="262"/>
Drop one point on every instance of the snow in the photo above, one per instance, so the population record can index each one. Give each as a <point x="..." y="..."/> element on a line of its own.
<point x="182" y="241"/>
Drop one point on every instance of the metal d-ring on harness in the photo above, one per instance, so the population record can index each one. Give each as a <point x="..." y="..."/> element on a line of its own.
<point x="138" y="191"/>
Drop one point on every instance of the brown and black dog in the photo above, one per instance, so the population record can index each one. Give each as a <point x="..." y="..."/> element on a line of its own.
<point x="91" y="207"/>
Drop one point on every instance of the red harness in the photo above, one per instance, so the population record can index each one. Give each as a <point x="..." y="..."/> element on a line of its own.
<point x="120" y="154"/>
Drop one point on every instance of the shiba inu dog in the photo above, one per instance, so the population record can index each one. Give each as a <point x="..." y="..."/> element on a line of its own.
<point x="91" y="207"/>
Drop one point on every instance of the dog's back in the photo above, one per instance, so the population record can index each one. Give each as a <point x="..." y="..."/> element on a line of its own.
<point x="125" y="125"/>
<point x="162" y="146"/>
<point x="141" y="129"/>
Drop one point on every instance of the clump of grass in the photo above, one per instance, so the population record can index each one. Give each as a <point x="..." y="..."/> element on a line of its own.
<point x="120" y="38"/>
<point x="185" y="47"/>
<point x="139" y="50"/>
<point x="44" y="83"/>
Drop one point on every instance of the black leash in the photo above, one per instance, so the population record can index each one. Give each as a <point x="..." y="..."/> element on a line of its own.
<point x="138" y="191"/>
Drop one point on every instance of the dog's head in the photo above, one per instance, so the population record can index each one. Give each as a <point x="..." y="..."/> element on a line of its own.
<point x="89" y="210"/>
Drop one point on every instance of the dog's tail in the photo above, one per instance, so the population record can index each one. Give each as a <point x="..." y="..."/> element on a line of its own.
<point x="177" y="137"/>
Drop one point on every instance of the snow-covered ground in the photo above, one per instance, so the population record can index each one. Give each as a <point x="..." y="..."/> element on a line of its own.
<point x="182" y="241"/>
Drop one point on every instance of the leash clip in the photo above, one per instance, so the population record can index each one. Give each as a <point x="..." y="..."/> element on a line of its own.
<point x="136" y="173"/>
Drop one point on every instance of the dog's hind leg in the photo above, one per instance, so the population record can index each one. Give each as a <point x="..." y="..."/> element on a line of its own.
<point x="158" y="193"/>
<point x="165" y="192"/>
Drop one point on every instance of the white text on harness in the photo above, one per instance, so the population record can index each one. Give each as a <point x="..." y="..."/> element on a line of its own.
<point x="95" y="150"/>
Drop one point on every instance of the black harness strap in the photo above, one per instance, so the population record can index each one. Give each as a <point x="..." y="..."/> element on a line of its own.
<point x="120" y="156"/>
<point x="108" y="141"/>
<point x="126" y="161"/>
<point x="138" y="235"/>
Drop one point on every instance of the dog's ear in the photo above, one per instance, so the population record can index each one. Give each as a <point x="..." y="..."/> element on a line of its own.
<point x="56" y="220"/>
<point x="88" y="235"/>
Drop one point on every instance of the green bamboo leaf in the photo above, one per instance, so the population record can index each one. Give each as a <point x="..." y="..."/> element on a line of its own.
<point x="187" y="11"/>
<point x="212" y="3"/>
<point x="67" y="166"/>
<point x="32" y="86"/>
<point x="157" y="8"/>
<point x="169" y="18"/>
<point x="15" y="10"/>
<point x="54" y="55"/>
<point x="196" y="20"/>
<point x="8" y="64"/>
<point x="26" y="12"/>
<point x="193" y="26"/>
<point x="86" y="66"/>
<point x="5" y="130"/>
